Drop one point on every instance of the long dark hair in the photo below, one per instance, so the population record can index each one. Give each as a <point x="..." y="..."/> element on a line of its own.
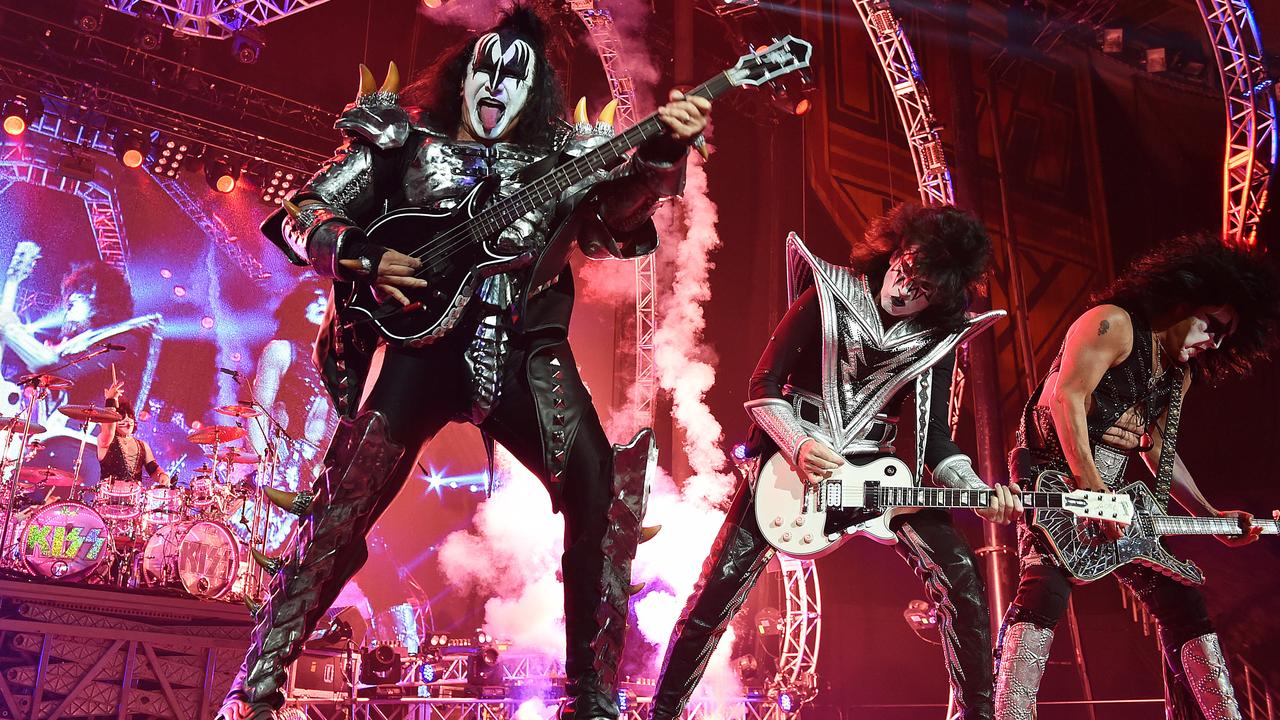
<point x="438" y="89"/>
<point x="952" y="250"/>
<point x="1199" y="270"/>
<point x="112" y="296"/>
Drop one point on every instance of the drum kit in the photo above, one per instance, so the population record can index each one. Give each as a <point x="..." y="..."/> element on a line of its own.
<point x="120" y="533"/>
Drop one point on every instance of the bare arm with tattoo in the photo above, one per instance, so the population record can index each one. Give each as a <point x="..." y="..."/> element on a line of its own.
<point x="1096" y="342"/>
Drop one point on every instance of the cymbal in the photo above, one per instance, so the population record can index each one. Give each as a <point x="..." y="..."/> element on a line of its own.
<point x="236" y="455"/>
<point x="211" y="434"/>
<point x="89" y="413"/>
<point x="238" y="411"/>
<point x="46" y="477"/>
<point x="18" y="424"/>
<point x="45" y="380"/>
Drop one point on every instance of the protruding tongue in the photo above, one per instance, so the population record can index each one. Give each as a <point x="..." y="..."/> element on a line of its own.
<point x="489" y="116"/>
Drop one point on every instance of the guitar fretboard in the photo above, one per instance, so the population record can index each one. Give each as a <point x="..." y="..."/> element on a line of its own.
<point x="953" y="498"/>
<point x="550" y="186"/>
<point x="1182" y="525"/>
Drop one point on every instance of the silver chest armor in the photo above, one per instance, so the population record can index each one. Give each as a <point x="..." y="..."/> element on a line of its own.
<point x="853" y="392"/>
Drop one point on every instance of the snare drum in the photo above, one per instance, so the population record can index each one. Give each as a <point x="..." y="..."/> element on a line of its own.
<point x="163" y="506"/>
<point x="205" y="557"/>
<point x="64" y="540"/>
<point x="119" y="499"/>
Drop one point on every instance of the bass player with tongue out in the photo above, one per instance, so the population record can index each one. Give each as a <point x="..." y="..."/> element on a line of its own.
<point x="487" y="114"/>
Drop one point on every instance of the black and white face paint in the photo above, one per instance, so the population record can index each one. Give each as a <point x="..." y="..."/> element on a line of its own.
<point x="497" y="86"/>
<point x="904" y="292"/>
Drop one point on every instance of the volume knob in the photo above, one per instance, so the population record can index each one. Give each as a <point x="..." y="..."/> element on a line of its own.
<point x="786" y="537"/>
<point x="777" y="521"/>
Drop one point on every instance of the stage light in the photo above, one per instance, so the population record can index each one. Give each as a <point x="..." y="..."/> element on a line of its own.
<point x="725" y="8"/>
<point x="77" y="167"/>
<point x="1157" y="60"/>
<point x="426" y="673"/>
<point x="432" y="4"/>
<point x="1112" y="40"/>
<point x="89" y="15"/>
<point x="381" y="666"/>
<point x="150" y="32"/>
<point x="791" y="93"/>
<point x="206" y="322"/>
<point x="277" y="184"/>
<point x="247" y="45"/>
<point x="21" y="113"/>
<point x="179" y="291"/>
<point x="167" y="154"/>
<point x="221" y="174"/>
<point x="130" y="147"/>
<point x="483" y="668"/>
<point x="787" y="701"/>
<point x="769" y="622"/>
<point x="739" y="451"/>
<point x="747" y="666"/>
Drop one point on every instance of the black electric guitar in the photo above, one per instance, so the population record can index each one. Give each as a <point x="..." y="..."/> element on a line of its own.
<point x="1088" y="555"/>
<point x="457" y="247"/>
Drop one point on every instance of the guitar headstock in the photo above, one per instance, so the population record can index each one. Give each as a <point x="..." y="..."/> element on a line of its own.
<point x="1116" y="507"/>
<point x="784" y="56"/>
<point x="24" y="261"/>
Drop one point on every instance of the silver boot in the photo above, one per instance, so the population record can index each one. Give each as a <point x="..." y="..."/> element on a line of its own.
<point x="1209" y="679"/>
<point x="1024" y="652"/>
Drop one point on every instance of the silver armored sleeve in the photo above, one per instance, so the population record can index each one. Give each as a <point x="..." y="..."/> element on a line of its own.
<point x="956" y="471"/>
<point x="778" y="419"/>
<point x="341" y="190"/>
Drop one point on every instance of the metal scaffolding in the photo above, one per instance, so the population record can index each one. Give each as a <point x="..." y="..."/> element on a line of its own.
<point x="213" y="18"/>
<point x="609" y="45"/>
<point x="912" y="98"/>
<point x="1248" y="92"/>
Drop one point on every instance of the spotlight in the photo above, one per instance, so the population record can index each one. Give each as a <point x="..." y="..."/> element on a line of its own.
<point x="167" y="154"/>
<point x="380" y="666"/>
<point x="247" y="45"/>
<point x="1157" y="61"/>
<point x="130" y="147"/>
<point x="150" y="32"/>
<point x="788" y="702"/>
<point x="277" y="184"/>
<point x="747" y="666"/>
<point x="221" y="174"/>
<point x="1112" y="40"/>
<point x="791" y="94"/>
<point x="89" y="15"/>
<point x="21" y="113"/>
<point x="483" y="668"/>
<point x="769" y="622"/>
<point x="77" y="167"/>
<point x="426" y="673"/>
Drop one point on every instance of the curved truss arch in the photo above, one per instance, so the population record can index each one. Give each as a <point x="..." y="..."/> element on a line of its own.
<point x="898" y="60"/>
<point x="1248" y="93"/>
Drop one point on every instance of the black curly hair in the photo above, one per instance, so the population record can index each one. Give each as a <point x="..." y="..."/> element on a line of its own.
<point x="438" y="89"/>
<point x="952" y="250"/>
<point x="1199" y="270"/>
<point x="112" y="296"/>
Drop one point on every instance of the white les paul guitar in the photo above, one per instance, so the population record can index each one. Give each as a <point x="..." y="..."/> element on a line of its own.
<point x="808" y="520"/>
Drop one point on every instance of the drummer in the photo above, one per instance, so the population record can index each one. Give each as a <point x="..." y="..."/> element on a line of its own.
<point x="121" y="456"/>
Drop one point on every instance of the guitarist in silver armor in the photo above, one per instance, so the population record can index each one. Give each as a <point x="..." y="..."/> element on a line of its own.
<point x="1194" y="306"/>
<point x="489" y="111"/>
<point x="826" y="391"/>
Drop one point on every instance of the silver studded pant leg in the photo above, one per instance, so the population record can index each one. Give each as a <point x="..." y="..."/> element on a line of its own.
<point x="1209" y="679"/>
<point x="1023" y="652"/>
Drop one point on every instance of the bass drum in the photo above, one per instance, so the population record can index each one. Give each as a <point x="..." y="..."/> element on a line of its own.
<point x="66" y="540"/>
<point x="203" y="557"/>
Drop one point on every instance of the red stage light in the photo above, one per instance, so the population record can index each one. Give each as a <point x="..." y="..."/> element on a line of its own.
<point x="225" y="183"/>
<point x="14" y="125"/>
<point x="803" y="106"/>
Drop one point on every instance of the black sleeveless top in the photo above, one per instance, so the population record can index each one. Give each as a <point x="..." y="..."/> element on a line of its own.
<point x="116" y="465"/>
<point x="1124" y="386"/>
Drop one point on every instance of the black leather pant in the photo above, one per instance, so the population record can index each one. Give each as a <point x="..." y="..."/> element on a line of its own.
<point x="928" y="541"/>
<point x="418" y="392"/>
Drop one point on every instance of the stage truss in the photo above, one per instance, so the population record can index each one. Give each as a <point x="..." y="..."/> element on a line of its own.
<point x="609" y="45"/>
<point x="34" y="166"/>
<point x="213" y="18"/>
<point x="504" y="709"/>
<point x="898" y="61"/>
<point x="1248" y="92"/>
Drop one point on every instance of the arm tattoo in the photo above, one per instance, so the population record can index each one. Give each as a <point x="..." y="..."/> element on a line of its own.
<point x="1103" y="327"/>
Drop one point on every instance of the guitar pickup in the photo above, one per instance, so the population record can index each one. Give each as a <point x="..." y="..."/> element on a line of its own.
<point x="871" y="495"/>
<point x="832" y="494"/>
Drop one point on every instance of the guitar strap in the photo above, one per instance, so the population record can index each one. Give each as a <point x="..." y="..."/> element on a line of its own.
<point x="1169" y="439"/>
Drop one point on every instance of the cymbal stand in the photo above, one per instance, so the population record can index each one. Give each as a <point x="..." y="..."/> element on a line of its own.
<point x="37" y="394"/>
